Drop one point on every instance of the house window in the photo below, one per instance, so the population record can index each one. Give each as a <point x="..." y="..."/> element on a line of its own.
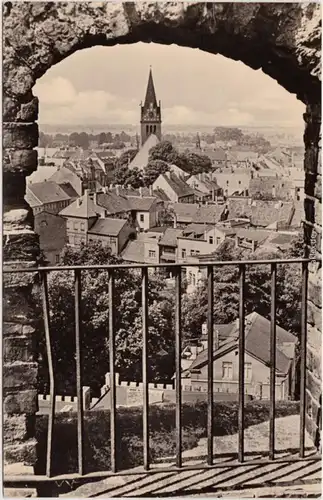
<point x="183" y="253"/>
<point x="75" y="225"/>
<point x="142" y="217"/>
<point x="57" y="259"/>
<point x="239" y="183"/>
<point x="211" y="240"/>
<point x="82" y="226"/>
<point x="192" y="252"/>
<point x="218" y="240"/>
<point x="227" y="370"/>
<point x="152" y="253"/>
<point x="197" y="252"/>
<point x="247" y="371"/>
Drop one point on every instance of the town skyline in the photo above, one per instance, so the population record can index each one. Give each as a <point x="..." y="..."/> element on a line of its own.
<point x="80" y="90"/>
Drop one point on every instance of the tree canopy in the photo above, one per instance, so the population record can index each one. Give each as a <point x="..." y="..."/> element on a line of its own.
<point x="95" y="321"/>
<point x="257" y="293"/>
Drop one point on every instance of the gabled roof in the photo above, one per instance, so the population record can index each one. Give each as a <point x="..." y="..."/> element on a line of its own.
<point x="83" y="207"/>
<point x="257" y="343"/>
<point x="179" y="186"/>
<point x="252" y="234"/>
<point x="143" y="204"/>
<point x="108" y="226"/>
<point x="112" y="202"/>
<point x="134" y="252"/>
<point x="170" y="236"/>
<point x="208" y="214"/>
<point x="69" y="190"/>
<point x="47" y="192"/>
<point x="261" y="212"/>
<point x="140" y="161"/>
<point x="42" y="174"/>
<point x="184" y="211"/>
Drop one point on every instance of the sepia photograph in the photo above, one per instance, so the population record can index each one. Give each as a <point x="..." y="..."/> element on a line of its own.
<point x="161" y="255"/>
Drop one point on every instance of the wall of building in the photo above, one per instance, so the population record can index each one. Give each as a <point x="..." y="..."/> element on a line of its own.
<point x="77" y="229"/>
<point x="52" y="235"/>
<point x="260" y="375"/>
<point x="231" y="182"/>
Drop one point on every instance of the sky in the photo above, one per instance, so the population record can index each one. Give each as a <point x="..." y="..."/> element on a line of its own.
<point x="103" y="85"/>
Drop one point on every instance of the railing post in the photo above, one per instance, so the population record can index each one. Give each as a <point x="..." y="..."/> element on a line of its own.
<point x="178" y="349"/>
<point x="79" y="384"/>
<point x="272" y="363"/>
<point x="303" y="345"/>
<point x="241" y="361"/>
<point x="210" y="366"/>
<point x="112" y="374"/>
<point x="145" y="367"/>
<point x="51" y="374"/>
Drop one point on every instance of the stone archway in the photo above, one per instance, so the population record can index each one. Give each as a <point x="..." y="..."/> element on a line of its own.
<point x="281" y="39"/>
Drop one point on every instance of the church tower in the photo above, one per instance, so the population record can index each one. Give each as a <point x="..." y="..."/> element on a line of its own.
<point x="150" y="113"/>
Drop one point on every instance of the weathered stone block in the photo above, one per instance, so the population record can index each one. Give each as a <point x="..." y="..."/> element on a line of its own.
<point x="23" y="110"/>
<point x="314" y="337"/>
<point x="20" y="246"/>
<point x="18" y="349"/>
<point x="19" y="375"/>
<point x="17" y="306"/>
<point x="314" y="386"/>
<point x="19" y="135"/>
<point x="21" y="402"/>
<point x="313" y="361"/>
<point x="315" y="289"/>
<point x="20" y="160"/>
<point x="318" y="188"/>
<point x="11" y="328"/>
<point x="15" y="428"/>
<point x="314" y="315"/>
<point x="22" y="452"/>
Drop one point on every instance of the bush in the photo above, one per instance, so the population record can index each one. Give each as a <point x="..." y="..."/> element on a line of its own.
<point x="129" y="432"/>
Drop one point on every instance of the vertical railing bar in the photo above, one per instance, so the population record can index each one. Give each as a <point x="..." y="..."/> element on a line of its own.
<point x="52" y="390"/>
<point x="178" y="349"/>
<point x="79" y="385"/>
<point x="303" y="358"/>
<point x="272" y="363"/>
<point x="241" y="360"/>
<point x="210" y="328"/>
<point x="145" y="367"/>
<point x="112" y="374"/>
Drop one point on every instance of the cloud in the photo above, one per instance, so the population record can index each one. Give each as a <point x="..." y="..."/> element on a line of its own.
<point x="61" y="103"/>
<point x="184" y="115"/>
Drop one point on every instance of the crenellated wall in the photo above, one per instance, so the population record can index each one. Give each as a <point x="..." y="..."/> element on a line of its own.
<point x="282" y="39"/>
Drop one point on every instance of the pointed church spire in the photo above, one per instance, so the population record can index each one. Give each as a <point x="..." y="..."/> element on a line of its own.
<point x="150" y="93"/>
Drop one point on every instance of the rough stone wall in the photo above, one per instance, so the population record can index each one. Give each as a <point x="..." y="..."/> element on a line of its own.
<point x="313" y="239"/>
<point x="282" y="39"/>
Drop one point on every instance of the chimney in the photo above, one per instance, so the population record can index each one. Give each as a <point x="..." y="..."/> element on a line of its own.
<point x="175" y="221"/>
<point x="140" y="192"/>
<point x="200" y="177"/>
<point x="253" y="246"/>
<point x="151" y="190"/>
<point x="86" y="192"/>
<point x="95" y="198"/>
<point x="117" y="190"/>
<point x="78" y="202"/>
<point x="111" y="186"/>
<point x="237" y="241"/>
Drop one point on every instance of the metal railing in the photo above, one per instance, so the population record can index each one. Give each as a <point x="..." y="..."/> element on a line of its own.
<point x="177" y="270"/>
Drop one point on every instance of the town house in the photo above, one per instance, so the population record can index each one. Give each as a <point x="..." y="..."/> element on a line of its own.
<point x="175" y="188"/>
<point x="209" y="187"/>
<point x="49" y="196"/>
<point x="257" y="360"/>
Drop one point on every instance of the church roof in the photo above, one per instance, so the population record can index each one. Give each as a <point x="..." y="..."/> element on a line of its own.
<point x="150" y="92"/>
<point x="140" y="161"/>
